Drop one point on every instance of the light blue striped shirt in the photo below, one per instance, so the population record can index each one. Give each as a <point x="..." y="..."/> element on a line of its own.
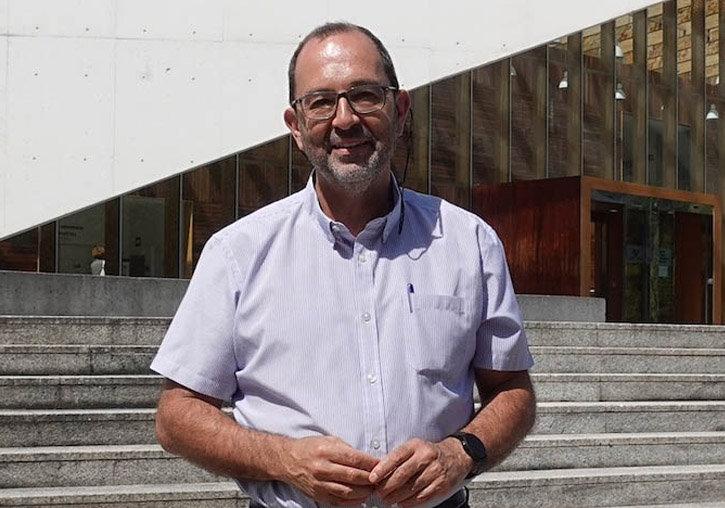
<point x="311" y="331"/>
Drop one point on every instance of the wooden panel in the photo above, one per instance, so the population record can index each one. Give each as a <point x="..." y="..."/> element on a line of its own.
<point x="639" y="142"/>
<point x="574" y="132"/>
<point x="669" y="75"/>
<point x="690" y="276"/>
<point x="538" y="222"/>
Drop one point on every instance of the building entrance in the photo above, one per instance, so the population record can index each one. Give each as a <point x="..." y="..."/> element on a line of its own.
<point x="653" y="253"/>
<point x="651" y="258"/>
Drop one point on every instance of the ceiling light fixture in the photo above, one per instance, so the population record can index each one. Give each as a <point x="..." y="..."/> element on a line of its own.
<point x="712" y="114"/>
<point x="619" y="93"/>
<point x="564" y="83"/>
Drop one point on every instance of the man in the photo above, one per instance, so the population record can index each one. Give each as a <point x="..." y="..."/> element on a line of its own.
<point x="349" y="322"/>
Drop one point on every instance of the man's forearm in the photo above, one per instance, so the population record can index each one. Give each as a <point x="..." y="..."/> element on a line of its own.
<point x="507" y="415"/>
<point x="323" y="468"/>
<point x="198" y="430"/>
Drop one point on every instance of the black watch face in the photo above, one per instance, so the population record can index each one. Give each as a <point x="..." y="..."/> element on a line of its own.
<point x="478" y="451"/>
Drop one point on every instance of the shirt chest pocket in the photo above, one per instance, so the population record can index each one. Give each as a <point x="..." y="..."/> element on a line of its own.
<point x="440" y="341"/>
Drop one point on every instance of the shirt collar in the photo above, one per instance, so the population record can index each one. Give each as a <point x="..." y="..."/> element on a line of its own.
<point x="327" y="225"/>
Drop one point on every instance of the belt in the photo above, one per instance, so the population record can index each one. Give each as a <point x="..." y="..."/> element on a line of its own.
<point x="457" y="500"/>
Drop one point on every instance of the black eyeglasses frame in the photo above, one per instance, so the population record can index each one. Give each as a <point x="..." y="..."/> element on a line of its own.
<point x="344" y="94"/>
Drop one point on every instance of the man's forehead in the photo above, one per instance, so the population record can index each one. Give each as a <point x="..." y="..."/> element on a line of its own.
<point x="349" y="51"/>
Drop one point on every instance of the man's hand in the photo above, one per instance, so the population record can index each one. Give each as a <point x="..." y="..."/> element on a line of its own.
<point x="419" y="471"/>
<point x="330" y="471"/>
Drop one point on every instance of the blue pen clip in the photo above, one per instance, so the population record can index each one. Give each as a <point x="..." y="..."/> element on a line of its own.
<point x="411" y="290"/>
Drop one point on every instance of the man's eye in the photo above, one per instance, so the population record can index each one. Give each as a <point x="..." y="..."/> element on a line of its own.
<point x="365" y="97"/>
<point x="320" y="102"/>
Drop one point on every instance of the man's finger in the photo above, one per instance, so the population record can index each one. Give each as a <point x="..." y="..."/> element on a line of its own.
<point x="347" y="456"/>
<point x="342" y="495"/>
<point x="390" y="462"/>
<point x="347" y="475"/>
<point x="432" y="490"/>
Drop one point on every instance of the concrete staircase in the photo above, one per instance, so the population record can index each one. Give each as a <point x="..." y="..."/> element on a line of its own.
<point x="629" y="416"/>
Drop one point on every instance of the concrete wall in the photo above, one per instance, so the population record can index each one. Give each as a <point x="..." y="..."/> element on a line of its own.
<point x="99" y="97"/>
<point x="40" y="294"/>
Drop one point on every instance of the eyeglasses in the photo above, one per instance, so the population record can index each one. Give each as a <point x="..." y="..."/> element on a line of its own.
<point x="363" y="99"/>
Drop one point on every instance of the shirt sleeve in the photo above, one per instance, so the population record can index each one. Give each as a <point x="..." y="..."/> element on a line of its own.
<point x="198" y="349"/>
<point x="501" y="342"/>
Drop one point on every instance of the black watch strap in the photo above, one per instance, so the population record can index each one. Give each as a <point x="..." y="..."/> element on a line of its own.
<point x="475" y="449"/>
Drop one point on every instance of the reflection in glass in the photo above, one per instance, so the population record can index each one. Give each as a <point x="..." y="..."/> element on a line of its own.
<point x="208" y="206"/>
<point x="412" y="146"/>
<point x="263" y="175"/>
<point x="301" y="168"/>
<point x="31" y="251"/>
<point x="564" y="152"/>
<point x="450" y="139"/>
<point x="662" y="78"/>
<point x="150" y="231"/>
<point x="79" y="234"/>
<point x="20" y="252"/>
<point x="598" y="132"/>
<point x="630" y="94"/>
<point x="490" y="123"/>
<point x="528" y="115"/>
<point x="691" y="117"/>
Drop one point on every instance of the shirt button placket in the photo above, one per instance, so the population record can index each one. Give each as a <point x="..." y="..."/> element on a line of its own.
<point x="368" y="344"/>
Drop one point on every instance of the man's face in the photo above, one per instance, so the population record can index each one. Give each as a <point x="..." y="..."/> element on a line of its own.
<point x="349" y="150"/>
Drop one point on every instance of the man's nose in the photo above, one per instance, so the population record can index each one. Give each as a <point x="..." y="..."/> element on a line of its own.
<point x="345" y="117"/>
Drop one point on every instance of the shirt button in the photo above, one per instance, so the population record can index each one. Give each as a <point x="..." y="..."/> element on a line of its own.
<point x="376" y="444"/>
<point x="361" y="257"/>
<point x="366" y="316"/>
<point x="372" y="378"/>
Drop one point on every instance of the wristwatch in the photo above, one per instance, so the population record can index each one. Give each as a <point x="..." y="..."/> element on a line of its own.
<point x="475" y="449"/>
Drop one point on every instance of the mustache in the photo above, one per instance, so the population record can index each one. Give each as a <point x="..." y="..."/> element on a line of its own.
<point x="357" y="133"/>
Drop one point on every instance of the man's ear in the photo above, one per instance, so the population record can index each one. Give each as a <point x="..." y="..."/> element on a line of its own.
<point x="292" y="122"/>
<point x="402" y="107"/>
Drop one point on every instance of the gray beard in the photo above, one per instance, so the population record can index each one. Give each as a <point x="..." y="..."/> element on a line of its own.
<point x="355" y="179"/>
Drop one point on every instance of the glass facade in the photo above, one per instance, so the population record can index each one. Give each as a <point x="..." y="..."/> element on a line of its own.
<point x="637" y="99"/>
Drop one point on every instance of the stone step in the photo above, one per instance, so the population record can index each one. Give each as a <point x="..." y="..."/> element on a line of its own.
<point x="73" y="466"/>
<point x="67" y="392"/>
<point x="629" y="417"/>
<point x="716" y="504"/>
<point x="137" y="331"/>
<point x="35" y="359"/>
<point x="191" y="495"/>
<point x="109" y="391"/>
<point x="568" y="359"/>
<point x="598" y="488"/>
<point x="135" y="464"/>
<point x="71" y="427"/>
<point x="546" y="333"/>
<point x="75" y="359"/>
<point x="572" y="488"/>
<point x="568" y="451"/>
<point x="82" y="330"/>
<point x="628" y="387"/>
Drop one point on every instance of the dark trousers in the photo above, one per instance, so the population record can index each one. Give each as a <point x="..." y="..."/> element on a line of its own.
<point x="457" y="500"/>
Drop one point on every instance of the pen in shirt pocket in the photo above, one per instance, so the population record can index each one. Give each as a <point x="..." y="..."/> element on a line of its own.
<point x="411" y="290"/>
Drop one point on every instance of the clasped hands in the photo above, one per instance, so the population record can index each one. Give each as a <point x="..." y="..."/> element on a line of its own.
<point x="328" y="470"/>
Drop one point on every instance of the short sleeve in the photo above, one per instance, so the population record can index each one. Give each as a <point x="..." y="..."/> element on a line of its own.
<point x="198" y="349"/>
<point x="501" y="342"/>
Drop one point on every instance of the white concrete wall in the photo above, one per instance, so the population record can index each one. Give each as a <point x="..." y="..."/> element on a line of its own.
<point x="98" y="97"/>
